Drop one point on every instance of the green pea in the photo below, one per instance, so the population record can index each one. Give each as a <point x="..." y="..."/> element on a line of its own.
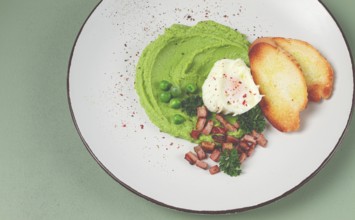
<point x="178" y="119"/>
<point x="165" y="97"/>
<point x="175" y="91"/>
<point x="191" y="88"/>
<point x="164" y="85"/>
<point x="175" y="103"/>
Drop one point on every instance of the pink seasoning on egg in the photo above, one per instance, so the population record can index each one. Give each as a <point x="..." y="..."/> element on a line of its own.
<point x="245" y="103"/>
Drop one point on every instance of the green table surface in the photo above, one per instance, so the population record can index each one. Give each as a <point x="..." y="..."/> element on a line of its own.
<point x="47" y="173"/>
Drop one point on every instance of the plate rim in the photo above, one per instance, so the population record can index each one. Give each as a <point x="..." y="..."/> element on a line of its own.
<point x="227" y="211"/>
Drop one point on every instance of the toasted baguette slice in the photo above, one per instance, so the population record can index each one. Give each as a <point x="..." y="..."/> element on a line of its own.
<point x="316" y="69"/>
<point x="282" y="83"/>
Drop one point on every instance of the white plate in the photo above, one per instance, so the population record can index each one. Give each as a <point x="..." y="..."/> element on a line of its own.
<point x="120" y="137"/>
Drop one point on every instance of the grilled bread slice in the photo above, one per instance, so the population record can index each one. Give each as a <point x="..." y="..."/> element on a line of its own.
<point x="316" y="69"/>
<point x="281" y="82"/>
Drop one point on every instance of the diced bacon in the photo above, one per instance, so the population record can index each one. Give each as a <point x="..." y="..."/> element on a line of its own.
<point x="225" y="123"/>
<point x="255" y="134"/>
<point x="208" y="128"/>
<point x="202" y="112"/>
<point x="219" y="138"/>
<point x="200" y="153"/>
<point x="236" y="125"/>
<point x="252" y="145"/>
<point x="221" y="119"/>
<point x="191" y="157"/>
<point x="214" y="169"/>
<point x="227" y="146"/>
<point x="195" y="134"/>
<point x="242" y="157"/>
<point x="200" y="124"/>
<point x="239" y="149"/>
<point x="218" y="130"/>
<point x="244" y="146"/>
<point x="262" y="141"/>
<point x="249" y="138"/>
<point x="202" y="164"/>
<point x="232" y="139"/>
<point x="230" y="127"/>
<point x="208" y="146"/>
<point x="260" y="138"/>
<point x="250" y="151"/>
<point x="215" y="155"/>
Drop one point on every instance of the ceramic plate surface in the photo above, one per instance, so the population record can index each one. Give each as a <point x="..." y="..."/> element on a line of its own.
<point x="119" y="135"/>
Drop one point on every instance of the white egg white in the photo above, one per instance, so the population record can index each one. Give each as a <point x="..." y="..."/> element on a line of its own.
<point x="230" y="88"/>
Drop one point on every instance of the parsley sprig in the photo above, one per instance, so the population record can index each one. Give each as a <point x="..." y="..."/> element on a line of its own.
<point x="229" y="162"/>
<point x="252" y="120"/>
<point x="190" y="104"/>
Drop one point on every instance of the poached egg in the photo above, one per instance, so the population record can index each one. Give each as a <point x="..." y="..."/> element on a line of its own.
<point x="229" y="88"/>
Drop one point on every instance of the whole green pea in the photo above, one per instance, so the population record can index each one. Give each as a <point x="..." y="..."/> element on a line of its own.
<point x="191" y="88"/>
<point x="175" y="103"/>
<point x="178" y="119"/>
<point x="175" y="91"/>
<point x="165" y="97"/>
<point x="164" y="85"/>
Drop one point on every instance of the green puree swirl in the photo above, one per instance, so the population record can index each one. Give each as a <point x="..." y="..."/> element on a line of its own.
<point x="183" y="55"/>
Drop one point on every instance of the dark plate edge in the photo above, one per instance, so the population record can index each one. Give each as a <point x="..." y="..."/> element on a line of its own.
<point x="206" y="211"/>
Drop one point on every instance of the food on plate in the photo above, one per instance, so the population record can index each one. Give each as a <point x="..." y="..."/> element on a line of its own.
<point x="234" y="150"/>
<point x="208" y="85"/>
<point x="195" y="83"/>
<point x="315" y="67"/>
<point x="173" y="68"/>
<point x="229" y="88"/>
<point x="282" y="83"/>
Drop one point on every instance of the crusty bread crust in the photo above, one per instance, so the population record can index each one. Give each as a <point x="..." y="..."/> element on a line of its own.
<point x="268" y="40"/>
<point x="317" y="70"/>
<point x="281" y="82"/>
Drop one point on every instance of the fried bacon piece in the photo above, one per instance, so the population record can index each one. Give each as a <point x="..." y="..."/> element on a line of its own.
<point x="202" y="164"/>
<point x="191" y="158"/>
<point x="232" y="139"/>
<point x="250" y="151"/>
<point x="244" y="146"/>
<point x="225" y="123"/>
<point x="214" y="169"/>
<point x="208" y="128"/>
<point x="200" y="153"/>
<point x="242" y="157"/>
<point x="202" y="112"/>
<point x="260" y="138"/>
<point x="218" y="130"/>
<point x="219" y="138"/>
<point x="236" y="125"/>
<point x="208" y="146"/>
<point x="227" y="146"/>
<point x="200" y="124"/>
<point x="195" y="134"/>
<point x="215" y="155"/>
<point x="249" y="138"/>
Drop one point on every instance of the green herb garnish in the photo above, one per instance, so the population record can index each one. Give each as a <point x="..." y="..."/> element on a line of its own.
<point x="252" y="120"/>
<point x="190" y="104"/>
<point x="239" y="133"/>
<point x="229" y="162"/>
